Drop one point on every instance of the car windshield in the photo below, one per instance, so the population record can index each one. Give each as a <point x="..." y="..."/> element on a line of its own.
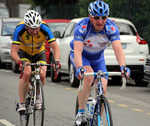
<point x="59" y="26"/>
<point x="8" y="28"/>
<point x="125" y="29"/>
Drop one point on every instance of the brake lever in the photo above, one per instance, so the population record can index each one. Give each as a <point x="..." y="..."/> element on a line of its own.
<point x="22" y="71"/>
<point x="124" y="81"/>
<point x="81" y="81"/>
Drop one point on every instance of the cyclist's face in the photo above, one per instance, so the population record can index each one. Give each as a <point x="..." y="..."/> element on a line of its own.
<point x="98" y="22"/>
<point x="33" y="31"/>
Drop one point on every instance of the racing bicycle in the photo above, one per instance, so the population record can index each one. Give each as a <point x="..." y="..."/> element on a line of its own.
<point x="35" y="88"/>
<point x="102" y="112"/>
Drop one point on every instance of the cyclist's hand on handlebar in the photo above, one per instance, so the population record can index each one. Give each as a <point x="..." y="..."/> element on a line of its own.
<point x="125" y="71"/>
<point x="57" y="65"/>
<point x="79" y="72"/>
<point x="20" y="64"/>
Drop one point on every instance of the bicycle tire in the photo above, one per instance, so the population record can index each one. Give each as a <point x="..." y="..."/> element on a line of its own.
<point x="24" y="116"/>
<point x="24" y="119"/>
<point x="105" y="113"/>
<point x="38" y="114"/>
<point x="77" y="106"/>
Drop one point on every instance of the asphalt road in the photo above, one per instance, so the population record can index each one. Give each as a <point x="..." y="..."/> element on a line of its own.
<point x="130" y="107"/>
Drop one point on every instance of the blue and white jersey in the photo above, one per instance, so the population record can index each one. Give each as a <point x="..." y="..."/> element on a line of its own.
<point x="94" y="43"/>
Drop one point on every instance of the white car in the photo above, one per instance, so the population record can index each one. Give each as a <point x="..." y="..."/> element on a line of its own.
<point x="135" y="49"/>
<point x="7" y="26"/>
<point x="147" y="70"/>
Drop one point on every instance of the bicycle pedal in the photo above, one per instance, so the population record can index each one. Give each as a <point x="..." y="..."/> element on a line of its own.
<point x="17" y="106"/>
<point x="82" y="124"/>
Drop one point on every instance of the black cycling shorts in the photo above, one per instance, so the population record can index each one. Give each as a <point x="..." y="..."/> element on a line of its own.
<point x="41" y="57"/>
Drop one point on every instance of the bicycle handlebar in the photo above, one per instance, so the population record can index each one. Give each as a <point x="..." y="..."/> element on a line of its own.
<point x="103" y="74"/>
<point x="36" y="65"/>
<point x="100" y="74"/>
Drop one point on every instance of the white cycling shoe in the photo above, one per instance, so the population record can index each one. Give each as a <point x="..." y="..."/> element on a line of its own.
<point x="80" y="120"/>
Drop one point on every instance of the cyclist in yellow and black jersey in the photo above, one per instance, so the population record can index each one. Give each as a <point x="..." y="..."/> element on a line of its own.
<point x="32" y="44"/>
<point x="29" y="44"/>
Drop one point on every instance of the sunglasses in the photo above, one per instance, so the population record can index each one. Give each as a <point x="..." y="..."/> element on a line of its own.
<point x="98" y="17"/>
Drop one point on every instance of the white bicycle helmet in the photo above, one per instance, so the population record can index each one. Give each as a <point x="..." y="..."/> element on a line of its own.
<point x="32" y="19"/>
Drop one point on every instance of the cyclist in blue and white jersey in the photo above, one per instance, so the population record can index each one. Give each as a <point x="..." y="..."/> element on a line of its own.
<point x="91" y="35"/>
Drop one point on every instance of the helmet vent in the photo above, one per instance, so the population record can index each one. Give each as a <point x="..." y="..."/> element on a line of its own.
<point x="104" y="6"/>
<point x="96" y="7"/>
<point x="30" y="15"/>
<point x="30" y="22"/>
<point x="37" y="21"/>
<point x="100" y="4"/>
<point x="95" y="12"/>
<point x="101" y="10"/>
<point x="27" y="16"/>
<point x="106" y="12"/>
<point x="33" y="19"/>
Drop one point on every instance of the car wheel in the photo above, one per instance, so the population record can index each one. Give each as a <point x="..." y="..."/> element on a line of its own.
<point x="15" y="67"/>
<point x="139" y="80"/>
<point x="2" y="66"/>
<point x="52" y="72"/>
<point x="74" y="81"/>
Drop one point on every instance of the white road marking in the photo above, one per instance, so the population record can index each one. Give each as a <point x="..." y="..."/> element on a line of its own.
<point x="5" y="122"/>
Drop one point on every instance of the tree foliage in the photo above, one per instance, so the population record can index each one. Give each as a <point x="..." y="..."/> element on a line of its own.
<point x="137" y="11"/>
<point x="54" y="2"/>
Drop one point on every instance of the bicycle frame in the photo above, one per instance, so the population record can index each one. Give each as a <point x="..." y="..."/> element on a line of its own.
<point x="35" y="76"/>
<point x="36" y="89"/>
<point x="99" y="93"/>
<point x="99" y="89"/>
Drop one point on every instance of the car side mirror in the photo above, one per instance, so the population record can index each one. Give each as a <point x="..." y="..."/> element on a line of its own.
<point x="56" y="34"/>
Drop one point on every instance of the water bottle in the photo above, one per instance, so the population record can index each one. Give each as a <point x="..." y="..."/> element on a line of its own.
<point x="90" y="106"/>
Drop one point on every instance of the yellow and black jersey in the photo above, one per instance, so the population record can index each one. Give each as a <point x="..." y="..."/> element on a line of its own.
<point x="29" y="44"/>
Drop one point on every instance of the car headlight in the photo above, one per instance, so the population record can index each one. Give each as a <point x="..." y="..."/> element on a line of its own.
<point x="6" y="45"/>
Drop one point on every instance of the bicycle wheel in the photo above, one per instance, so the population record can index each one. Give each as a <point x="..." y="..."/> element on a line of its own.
<point x="24" y="119"/>
<point x="105" y="116"/>
<point x="38" y="114"/>
<point x="24" y="116"/>
<point x="77" y="106"/>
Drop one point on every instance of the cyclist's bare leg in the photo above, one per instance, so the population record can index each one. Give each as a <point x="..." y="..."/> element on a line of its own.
<point x="104" y="82"/>
<point x="43" y="70"/>
<point x="24" y="84"/>
<point x="84" y="94"/>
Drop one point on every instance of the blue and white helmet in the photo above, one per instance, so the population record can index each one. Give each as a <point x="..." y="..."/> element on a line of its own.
<point x="98" y="8"/>
<point x="32" y="19"/>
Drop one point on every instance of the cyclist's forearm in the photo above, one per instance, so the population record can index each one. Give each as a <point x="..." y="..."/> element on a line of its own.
<point x="14" y="53"/>
<point x="56" y="50"/>
<point x="78" y="48"/>
<point x="120" y="58"/>
<point x="56" y="54"/>
<point x="77" y="59"/>
<point x="119" y="52"/>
